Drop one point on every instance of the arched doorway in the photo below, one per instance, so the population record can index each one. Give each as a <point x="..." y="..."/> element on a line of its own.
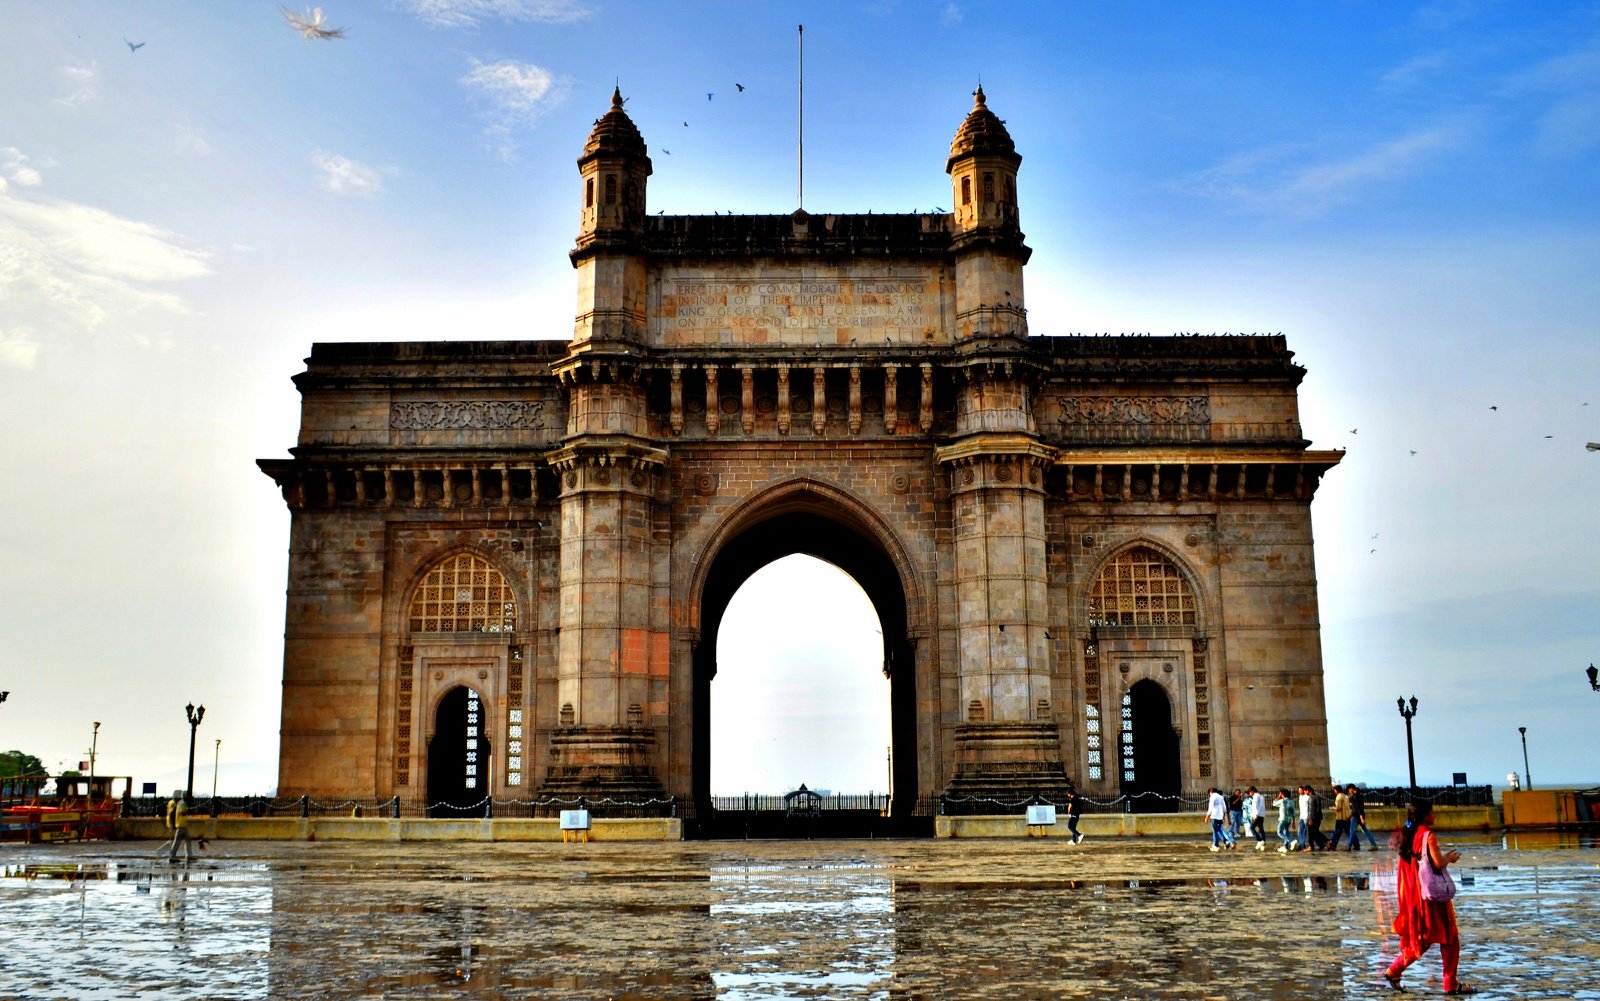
<point x="800" y="696"/>
<point x="1149" y="749"/>
<point x="815" y="533"/>
<point x="458" y="757"/>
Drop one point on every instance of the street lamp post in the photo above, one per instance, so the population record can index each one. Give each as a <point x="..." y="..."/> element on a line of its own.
<point x="1411" y="759"/>
<point x="194" y="716"/>
<point x="94" y="745"/>
<point x="1527" y="776"/>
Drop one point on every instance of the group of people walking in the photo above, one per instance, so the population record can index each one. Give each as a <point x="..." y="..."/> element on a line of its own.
<point x="1299" y="819"/>
<point x="1425" y="915"/>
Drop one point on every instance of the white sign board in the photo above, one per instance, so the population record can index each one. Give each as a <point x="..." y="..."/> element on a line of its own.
<point x="574" y="820"/>
<point x="1041" y="816"/>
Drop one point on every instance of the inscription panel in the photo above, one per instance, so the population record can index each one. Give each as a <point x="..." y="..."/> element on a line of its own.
<point x="837" y="309"/>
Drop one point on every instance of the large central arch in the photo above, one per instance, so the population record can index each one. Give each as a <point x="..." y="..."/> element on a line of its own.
<point x="818" y="521"/>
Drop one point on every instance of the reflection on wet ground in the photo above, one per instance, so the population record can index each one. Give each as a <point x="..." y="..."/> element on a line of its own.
<point x="1143" y="918"/>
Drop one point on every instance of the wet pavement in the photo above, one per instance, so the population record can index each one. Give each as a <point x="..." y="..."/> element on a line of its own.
<point x="1113" y="918"/>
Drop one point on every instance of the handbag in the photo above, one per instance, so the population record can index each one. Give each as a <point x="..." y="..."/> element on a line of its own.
<point x="1436" y="883"/>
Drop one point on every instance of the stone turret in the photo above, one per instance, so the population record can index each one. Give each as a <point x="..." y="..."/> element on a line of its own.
<point x="615" y="167"/>
<point x="988" y="237"/>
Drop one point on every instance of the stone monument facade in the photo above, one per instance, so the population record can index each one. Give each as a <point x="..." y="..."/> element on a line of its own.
<point x="1092" y="556"/>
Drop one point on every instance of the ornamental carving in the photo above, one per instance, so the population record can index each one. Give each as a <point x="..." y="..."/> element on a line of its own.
<point x="468" y="415"/>
<point x="1135" y="409"/>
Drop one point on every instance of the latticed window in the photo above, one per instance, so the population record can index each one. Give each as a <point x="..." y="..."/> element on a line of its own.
<point x="1140" y="587"/>
<point x="464" y="594"/>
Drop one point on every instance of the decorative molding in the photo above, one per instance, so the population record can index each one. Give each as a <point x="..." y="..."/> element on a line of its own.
<point x="468" y="415"/>
<point x="1134" y="409"/>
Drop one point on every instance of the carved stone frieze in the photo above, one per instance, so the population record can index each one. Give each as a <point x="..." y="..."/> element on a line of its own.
<point x="468" y="415"/>
<point x="1134" y="409"/>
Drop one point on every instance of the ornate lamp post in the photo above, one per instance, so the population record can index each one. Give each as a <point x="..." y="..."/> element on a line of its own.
<point x="195" y="716"/>
<point x="1527" y="776"/>
<point x="1593" y="673"/>
<point x="1411" y="759"/>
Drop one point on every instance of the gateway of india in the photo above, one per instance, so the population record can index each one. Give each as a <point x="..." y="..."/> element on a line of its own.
<point x="1091" y="556"/>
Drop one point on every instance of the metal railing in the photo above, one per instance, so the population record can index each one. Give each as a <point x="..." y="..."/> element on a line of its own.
<point x="395" y="808"/>
<point x="761" y="802"/>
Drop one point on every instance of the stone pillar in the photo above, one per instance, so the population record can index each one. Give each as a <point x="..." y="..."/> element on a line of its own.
<point x="607" y="654"/>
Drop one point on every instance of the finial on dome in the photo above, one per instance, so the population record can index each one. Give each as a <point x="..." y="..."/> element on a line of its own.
<point x="616" y="96"/>
<point x="978" y="99"/>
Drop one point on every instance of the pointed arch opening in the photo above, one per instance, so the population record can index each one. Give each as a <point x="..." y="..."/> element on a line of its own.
<point x="809" y="522"/>
<point x="459" y="756"/>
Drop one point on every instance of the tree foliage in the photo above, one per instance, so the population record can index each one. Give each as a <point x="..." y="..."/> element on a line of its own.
<point x="20" y="763"/>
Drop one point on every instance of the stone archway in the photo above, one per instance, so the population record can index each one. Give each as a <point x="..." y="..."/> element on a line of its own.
<point x="459" y="756"/>
<point x="827" y="536"/>
<point x="1150" y="743"/>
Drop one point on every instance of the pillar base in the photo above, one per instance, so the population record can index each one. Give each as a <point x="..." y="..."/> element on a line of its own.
<point x="1008" y="762"/>
<point x="604" y="763"/>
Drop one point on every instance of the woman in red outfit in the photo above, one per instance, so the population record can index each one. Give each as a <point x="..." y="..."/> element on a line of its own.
<point x="1422" y="923"/>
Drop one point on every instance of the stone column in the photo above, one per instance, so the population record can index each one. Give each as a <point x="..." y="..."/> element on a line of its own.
<point x="606" y="653"/>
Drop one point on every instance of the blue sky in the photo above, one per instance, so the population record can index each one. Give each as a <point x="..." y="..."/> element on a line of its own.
<point x="1407" y="191"/>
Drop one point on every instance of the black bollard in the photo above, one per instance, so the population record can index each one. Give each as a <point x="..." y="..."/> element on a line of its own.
<point x="305" y="807"/>
<point x="394" y="808"/>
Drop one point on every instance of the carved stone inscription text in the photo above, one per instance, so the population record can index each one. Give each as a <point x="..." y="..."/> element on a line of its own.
<point x="691" y="309"/>
<point x="470" y="415"/>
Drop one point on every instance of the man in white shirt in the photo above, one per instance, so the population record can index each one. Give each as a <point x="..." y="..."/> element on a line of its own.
<point x="1256" y="806"/>
<point x="1217" y="813"/>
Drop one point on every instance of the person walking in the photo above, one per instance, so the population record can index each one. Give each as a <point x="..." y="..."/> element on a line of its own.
<point x="1358" y="819"/>
<point x="1074" y="809"/>
<point x="1303" y="811"/>
<point x="1236" y="813"/>
<point x="1341" y="817"/>
<point x="1419" y="921"/>
<point x="1255" y="806"/>
<point x="1217" y="814"/>
<point x="180" y="830"/>
<point x="1319" y="841"/>
<point x="1286" y="821"/>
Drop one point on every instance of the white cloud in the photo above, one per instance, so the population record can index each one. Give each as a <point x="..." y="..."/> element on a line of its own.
<point x="1270" y="180"/>
<point x="344" y="176"/>
<point x="189" y="142"/>
<point x="952" y="15"/>
<point x="1571" y="84"/>
<point x="518" y="93"/>
<point x="85" y="80"/>
<point x="1416" y="69"/>
<point x="467" y="13"/>
<point x="66" y="267"/>
<point x="18" y="348"/>
<point x="14" y="168"/>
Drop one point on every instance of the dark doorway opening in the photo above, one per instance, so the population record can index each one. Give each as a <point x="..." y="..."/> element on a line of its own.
<point x="458" y="757"/>
<point x="1150" y="746"/>
<point x="832" y="540"/>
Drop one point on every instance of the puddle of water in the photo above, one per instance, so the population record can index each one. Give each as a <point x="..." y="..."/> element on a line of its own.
<point x="1145" y="919"/>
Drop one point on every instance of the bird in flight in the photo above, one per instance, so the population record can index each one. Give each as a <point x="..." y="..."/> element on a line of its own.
<point x="1492" y="407"/>
<point x="134" y="46"/>
<point x="311" y="25"/>
<point x="1413" y="451"/>
<point x="1353" y="431"/>
<point x="709" y="95"/>
<point x="666" y="151"/>
<point x="1593" y="446"/>
<point x="740" y="86"/>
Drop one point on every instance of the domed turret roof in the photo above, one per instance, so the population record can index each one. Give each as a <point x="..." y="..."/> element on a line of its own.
<point x="614" y="133"/>
<point x="982" y="132"/>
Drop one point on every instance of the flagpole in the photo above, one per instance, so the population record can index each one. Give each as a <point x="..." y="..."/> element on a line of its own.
<point x="800" y="125"/>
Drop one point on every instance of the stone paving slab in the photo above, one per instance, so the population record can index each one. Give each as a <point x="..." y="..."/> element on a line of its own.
<point x="1123" y="918"/>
